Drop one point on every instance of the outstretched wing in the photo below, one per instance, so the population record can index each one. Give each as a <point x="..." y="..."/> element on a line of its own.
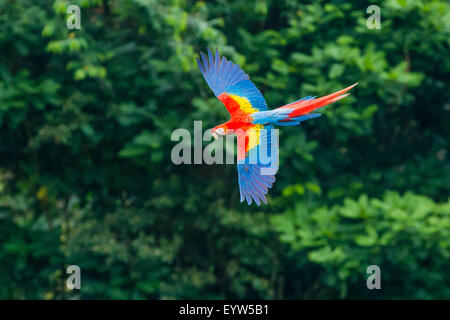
<point x="230" y="84"/>
<point x="257" y="162"/>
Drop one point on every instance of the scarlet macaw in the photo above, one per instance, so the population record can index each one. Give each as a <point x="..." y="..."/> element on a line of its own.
<point x="253" y="122"/>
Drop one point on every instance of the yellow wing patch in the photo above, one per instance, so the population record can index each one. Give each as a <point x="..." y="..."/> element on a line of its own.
<point x="244" y="104"/>
<point x="253" y="137"/>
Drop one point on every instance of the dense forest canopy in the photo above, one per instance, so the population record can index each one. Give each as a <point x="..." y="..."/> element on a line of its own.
<point x="86" y="176"/>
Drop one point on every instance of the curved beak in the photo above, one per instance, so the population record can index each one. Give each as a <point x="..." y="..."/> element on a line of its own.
<point x="215" y="135"/>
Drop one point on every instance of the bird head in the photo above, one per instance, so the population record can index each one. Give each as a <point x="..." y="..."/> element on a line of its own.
<point x="218" y="131"/>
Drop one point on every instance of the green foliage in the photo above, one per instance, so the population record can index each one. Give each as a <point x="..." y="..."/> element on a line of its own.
<point x="408" y="236"/>
<point x="86" y="177"/>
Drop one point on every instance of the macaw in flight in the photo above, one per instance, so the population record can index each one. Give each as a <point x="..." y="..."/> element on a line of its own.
<point x="253" y="123"/>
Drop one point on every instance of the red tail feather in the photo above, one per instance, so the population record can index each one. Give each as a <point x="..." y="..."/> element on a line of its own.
<point x="305" y="106"/>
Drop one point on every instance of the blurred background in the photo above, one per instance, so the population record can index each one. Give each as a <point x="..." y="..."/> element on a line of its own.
<point x="86" y="177"/>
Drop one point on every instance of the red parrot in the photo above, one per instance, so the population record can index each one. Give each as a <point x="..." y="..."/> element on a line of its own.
<point x="253" y="123"/>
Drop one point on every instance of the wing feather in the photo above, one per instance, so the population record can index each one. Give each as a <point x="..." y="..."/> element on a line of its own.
<point x="222" y="76"/>
<point x="256" y="168"/>
<point x="218" y="72"/>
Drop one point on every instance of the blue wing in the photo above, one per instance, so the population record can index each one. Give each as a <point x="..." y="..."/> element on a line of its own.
<point x="256" y="172"/>
<point x="247" y="90"/>
<point x="222" y="75"/>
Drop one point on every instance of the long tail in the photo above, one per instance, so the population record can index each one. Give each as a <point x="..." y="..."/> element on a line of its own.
<point x="297" y="111"/>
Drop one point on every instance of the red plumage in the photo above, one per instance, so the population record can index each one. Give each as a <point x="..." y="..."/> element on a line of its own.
<point x="305" y="106"/>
